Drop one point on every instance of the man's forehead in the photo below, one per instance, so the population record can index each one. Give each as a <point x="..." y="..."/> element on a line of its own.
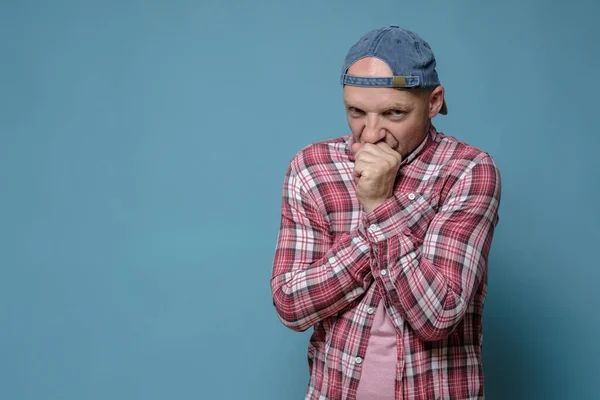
<point x="378" y="98"/>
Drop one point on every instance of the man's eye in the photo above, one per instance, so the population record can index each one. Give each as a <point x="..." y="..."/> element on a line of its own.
<point x="354" y="111"/>
<point x="396" y="113"/>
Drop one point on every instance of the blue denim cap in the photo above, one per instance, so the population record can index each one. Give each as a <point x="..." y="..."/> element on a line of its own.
<point x="409" y="57"/>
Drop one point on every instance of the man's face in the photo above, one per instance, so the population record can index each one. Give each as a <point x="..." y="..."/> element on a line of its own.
<point x="399" y="118"/>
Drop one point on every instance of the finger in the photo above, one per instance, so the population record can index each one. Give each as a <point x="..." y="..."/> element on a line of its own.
<point x="376" y="155"/>
<point x="362" y="168"/>
<point x="364" y="148"/>
<point x="367" y="157"/>
<point x="356" y="147"/>
<point x="359" y="167"/>
<point x="370" y="149"/>
<point x="388" y="150"/>
<point x="369" y="165"/>
<point x="356" y="174"/>
<point x="367" y="170"/>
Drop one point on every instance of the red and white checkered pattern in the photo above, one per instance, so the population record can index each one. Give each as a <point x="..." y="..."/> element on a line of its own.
<point x="423" y="252"/>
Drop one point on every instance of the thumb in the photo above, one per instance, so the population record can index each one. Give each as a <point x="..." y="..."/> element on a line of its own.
<point x="356" y="146"/>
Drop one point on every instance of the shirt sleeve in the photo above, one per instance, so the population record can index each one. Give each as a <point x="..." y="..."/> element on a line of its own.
<point x="430" y="260"/>
<point x="313" y="277"/>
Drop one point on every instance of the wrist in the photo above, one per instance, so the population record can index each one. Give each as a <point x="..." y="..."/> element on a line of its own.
<point x="369" y="206"/>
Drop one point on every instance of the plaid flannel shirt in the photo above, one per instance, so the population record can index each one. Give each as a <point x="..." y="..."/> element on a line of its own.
<point x="423" y="253"/>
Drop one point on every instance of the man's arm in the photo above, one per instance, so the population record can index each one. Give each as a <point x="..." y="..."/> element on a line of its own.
<point x="313" y="277"/>
<point x="429" y="267"/>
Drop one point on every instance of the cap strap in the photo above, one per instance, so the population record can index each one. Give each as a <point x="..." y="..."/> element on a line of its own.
<point x="395" y="81"/>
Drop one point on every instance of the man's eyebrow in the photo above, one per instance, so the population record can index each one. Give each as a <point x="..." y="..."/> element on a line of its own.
<point x="349" y="104"/>
<point x="397" y="106"/>
<point x="390" y="107"/>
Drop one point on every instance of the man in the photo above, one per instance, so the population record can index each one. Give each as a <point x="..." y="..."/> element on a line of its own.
<point x="385" y="235"/>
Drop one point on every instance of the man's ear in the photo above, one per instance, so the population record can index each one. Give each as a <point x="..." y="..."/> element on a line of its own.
<point x="436" y="100"/>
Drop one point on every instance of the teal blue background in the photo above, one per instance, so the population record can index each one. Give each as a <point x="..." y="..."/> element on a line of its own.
<point x="142" y="150"/>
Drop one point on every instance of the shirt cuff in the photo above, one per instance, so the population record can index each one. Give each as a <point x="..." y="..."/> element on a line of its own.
<point x="385" y="221"/>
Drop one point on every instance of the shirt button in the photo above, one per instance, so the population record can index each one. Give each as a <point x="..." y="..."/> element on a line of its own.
<point x="373" y="227"/>
<point x="411" y="196"/>
<point x="370" y="310"/>
<point x="358" y="360"/>
<point x="383" y="272"/>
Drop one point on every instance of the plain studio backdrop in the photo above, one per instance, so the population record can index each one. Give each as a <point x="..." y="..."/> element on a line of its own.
<point x="143" y="146"/>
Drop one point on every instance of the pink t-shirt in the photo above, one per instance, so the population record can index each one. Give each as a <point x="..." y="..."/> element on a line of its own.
<point x="378" y="377"/>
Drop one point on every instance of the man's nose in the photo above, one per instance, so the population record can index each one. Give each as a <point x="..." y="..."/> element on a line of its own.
<point x="372" y="132"/>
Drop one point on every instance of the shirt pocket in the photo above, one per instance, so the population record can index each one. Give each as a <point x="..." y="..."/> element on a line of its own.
<point x="418" y="210"/>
